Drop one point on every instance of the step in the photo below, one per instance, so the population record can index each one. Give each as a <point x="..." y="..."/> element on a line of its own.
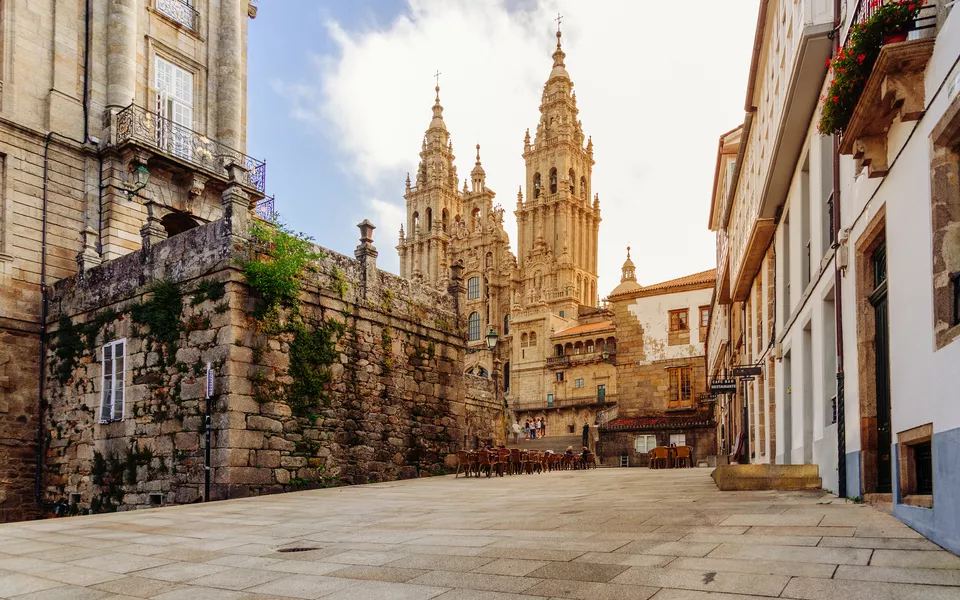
<point x="767" y="477"/>
<point x="557" y="443"/>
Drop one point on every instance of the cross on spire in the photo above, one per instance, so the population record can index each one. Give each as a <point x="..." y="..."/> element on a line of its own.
<point x="558" y="20"/>
<point x="437" y="77"/>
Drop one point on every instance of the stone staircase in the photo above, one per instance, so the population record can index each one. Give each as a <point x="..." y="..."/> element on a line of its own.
<point x="557" y="443"/>
<point x="767" y="477"/>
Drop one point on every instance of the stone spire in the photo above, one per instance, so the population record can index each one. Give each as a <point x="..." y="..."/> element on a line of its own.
<point x="629" y="269"/>
<point x="478" y="175"/>
<point x="436" y="156"/>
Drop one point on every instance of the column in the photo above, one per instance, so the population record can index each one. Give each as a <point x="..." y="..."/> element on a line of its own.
<point x="65" y="109"/>
<point x="230" y="74"/>
<point x="121" y="53"/>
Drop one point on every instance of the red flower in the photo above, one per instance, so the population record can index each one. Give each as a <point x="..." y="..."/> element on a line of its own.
<point x="828" y="62"/>
<point x="836" y="99"/>
<point x="862" y="58"/>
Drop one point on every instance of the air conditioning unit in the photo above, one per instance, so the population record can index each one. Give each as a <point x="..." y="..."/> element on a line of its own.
<point x="843" y="257"/>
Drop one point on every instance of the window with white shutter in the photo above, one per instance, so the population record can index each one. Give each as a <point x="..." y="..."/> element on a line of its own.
<point x="174" y="100"/>
<point x="113" y="361"/>
<point x="645" y="443"/>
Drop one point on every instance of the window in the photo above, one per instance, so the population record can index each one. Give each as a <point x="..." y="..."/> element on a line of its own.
<point x="179" y="11"/>
<point x="678" y="439"/>
<point x="112" y="377"/>
<point x="553" y="181"/>
<point x="956" y="298"/>
<point x="429" y="219"/>
<point x="533" y="338"/>
<point x="601" y="393"/>
<point x="678" y="320"/>
<point x="474" y="326"/>
<point x="573" y="181"/>
<point x="681" y="387"/>
<point x="806" y="197"/>
<point x="506" y="377"/>
<point x="704" y="317"/>
<point x="536" y="185"/>
<point x="559" y="376"/>
<point x="473" y="288"/>
<point x="583" y="188"/>
<point x="506" y="324"/>
<point x="589" y="347"/>
<point x="578" y="383"/>
<point x="562" y="315"/>
<point x="549" y="400"/>
<point x="644" y="443"/>
<point x="174" y="106"/>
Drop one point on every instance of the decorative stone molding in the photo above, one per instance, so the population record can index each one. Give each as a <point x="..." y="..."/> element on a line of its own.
<point x="195" y="184"/>
<point x="89" y="256"/>
<point x="895" y="87"/>
<point x="153" y="230"/>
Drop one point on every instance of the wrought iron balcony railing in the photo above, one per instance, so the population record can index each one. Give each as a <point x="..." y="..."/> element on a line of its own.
<point x="865" y="9"/>
<point x="136" y="124"/>
<point x="266" y="208"/>
<point x="180" y="11"/>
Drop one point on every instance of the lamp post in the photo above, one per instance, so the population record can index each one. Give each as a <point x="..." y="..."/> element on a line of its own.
<point x="141" y="177"/>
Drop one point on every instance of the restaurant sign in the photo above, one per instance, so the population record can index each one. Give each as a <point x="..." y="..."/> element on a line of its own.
<point x="723" y="386"/>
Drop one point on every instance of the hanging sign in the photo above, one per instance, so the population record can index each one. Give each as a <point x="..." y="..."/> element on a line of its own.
<point x="747" y="371"/>
<point x="723" y="386"/>
<point x="209" y="381"/>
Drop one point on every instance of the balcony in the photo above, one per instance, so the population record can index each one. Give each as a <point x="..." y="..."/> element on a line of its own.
<point x="590" y="401"/>
<point x="180" y="12"/>
<point x="558" y="361"/>
<point x="137" y="126"/>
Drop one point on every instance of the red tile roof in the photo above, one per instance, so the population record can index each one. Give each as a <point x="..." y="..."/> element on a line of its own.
<point x="704" y="278"/>
<point x="587" y="328"/>
<point x="660" y="422"/>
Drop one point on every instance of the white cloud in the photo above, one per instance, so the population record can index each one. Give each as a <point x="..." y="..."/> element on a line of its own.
<point x="656" y="86"/>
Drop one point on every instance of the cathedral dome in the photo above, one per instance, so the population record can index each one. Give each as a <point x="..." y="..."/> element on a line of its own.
<point x="628" y="279"/>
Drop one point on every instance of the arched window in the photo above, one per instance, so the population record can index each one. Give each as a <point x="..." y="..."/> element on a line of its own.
<point x="481" y="372"/>
<point x="553" y="181"/>
<point x="593" y="292"/>
<point x="579" y="286"/>
<point x="473" y="329"/>
<point x="589" y="346"/>
<point x="611" y="345"/>
<point x="523" y="340"/>
<point x="473" y="288"/>
<point x="506" y="324"/>
<point x="573" y="181"/>
<point x="177" y="222"/>
<point x="578" y="348"/>
<point x="558" y="350"/>
<point x="444" y="218"/>
<point x="568" y="349"/>
<point x="583" y="188"/>
<point x="533" y="338"/>
<point x="416" y="221"/>
<point x="429" y="219"/>
<point x="536" y="185"/>
<point x="475" y="220"/>
<point x="506" y="376"/>
<point x="600" y="345"/>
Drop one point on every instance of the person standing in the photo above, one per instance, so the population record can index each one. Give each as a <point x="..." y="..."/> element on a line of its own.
<point x="586" y="434"/>
<point x="543" y="426"/>
<point x="526" y="429"/>
<point x="516" y="432"/>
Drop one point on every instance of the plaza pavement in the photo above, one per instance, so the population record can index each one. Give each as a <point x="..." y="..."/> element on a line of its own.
<point x="607" y="534"/>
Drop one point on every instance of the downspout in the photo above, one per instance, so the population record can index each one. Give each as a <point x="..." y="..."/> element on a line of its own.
<point x="43" y="256"/>
<point x="838" y="292"/>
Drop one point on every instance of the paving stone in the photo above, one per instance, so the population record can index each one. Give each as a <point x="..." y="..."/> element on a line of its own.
<point x="675" y="594"/>
<point x="762" y="567"/>
<point x="709" y="581"/>
<point x="579" y="571"/>
<point x="834" y="556"/>
<point x="360" y="557"/>
<point x="509" y="566"/>
<point x="484" y="595"/>
<point x="121" y="563"/>
<point x="533" y="553"/>
<point x="373" y="573"/>
<point x="775" y="540"/>
<point x="803" y="588"/>
<point x="13" y="585"/>
<point x="307" y="587"/>
<point x="177" y="572"/>
<point x="303" y="568"/>
<point x="201" y="593"/>
<point x="878" y="543"/>
<point x="68" y="592"/>
<point x="807" y="531"/>
<point x="79" y="575"/>
<point x="623" y="558"/>
<point x="476" y="581"/>
<point x="585" y="590"/>
<point x="378" y="590"/>
<point x="236" y="579"/>
<point x="782" y="520"/>
<point x="439" y="562"/>
<point x="921" y="559"/>
<point x="899" y="575"/>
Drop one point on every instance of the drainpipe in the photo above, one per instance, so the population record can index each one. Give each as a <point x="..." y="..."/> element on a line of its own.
<point x="838" y="293"/>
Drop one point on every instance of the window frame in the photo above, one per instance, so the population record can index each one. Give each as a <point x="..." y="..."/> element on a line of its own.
<point x="679" y="378"/>
<point x="647" y="437"/>
<point x="473" y="288"/>
<point x="471" y="322"/>
<point x="559" y="376"/>
<point x="956" y="298"/>
<point x="675" y="318"/>
<point x="704" y="313"/>
<point x="578" y="383"/>
<point x="101" y="417"/>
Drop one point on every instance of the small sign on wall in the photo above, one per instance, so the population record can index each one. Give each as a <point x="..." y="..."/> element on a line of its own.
<point x="209" y="381"/>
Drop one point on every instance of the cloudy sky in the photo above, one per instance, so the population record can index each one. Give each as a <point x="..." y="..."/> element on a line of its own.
<point x="340" y="95"/>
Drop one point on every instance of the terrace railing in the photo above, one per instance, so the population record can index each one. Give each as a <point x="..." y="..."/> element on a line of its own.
<point x="180" y="11"/>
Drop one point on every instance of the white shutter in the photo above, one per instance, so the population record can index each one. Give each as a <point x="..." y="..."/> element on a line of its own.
<point x="106" y="384"/>
<point x="680" y="439"/>
<point x="161" y="131"/>
<point x="119" y="364"/>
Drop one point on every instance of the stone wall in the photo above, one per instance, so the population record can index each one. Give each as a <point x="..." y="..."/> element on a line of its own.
<point x="615" y="444"/>
<point x="396" y="404"/>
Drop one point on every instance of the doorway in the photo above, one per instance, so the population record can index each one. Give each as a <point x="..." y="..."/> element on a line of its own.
<point x="878" y="299"/>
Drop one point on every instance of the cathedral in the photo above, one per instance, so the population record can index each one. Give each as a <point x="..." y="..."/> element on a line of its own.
<point x="552" y="281"/>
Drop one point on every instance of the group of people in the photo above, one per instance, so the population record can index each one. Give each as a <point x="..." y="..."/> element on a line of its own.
<point x="530" y="430"/>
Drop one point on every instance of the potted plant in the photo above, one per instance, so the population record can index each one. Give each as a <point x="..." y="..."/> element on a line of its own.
<point x="851" y="67"/>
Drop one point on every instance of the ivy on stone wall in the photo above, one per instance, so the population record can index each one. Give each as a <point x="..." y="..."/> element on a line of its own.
<point x="277" y="272"/>
<point x="162" y="313"/>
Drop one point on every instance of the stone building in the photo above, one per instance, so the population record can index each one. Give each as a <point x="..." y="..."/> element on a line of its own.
<point x="660" y="369"/>
<point x="117" y="118"/>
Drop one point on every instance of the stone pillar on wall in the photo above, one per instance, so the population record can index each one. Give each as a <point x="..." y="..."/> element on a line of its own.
<point x="366" y="253"/>
<point x="236" y="206"/>
<point x="121" y="53"/>
<point x="230" y="73"/>
<point x="88" y="257"/>
<point x="153" y="231"/>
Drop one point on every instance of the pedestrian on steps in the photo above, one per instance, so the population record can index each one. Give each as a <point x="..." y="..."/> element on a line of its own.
<point x="516" y="432"/>
<point x="586" y="434"/>
<point x="526" y="429"/>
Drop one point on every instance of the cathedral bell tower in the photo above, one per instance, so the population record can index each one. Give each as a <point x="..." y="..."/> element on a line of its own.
<point x="433" y="207"/>
<point x="559" y="221"/>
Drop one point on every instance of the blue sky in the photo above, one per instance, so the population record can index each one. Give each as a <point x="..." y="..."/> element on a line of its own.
<point x="340" y="95"/>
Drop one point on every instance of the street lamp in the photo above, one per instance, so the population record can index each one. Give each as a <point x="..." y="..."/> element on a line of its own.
<point x="141" y="178"/>
<point x="492" y="338"/>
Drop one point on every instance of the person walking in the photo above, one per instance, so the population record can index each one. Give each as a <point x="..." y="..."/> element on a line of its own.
<point x="543" y="427"/>
<point x="540" y="426"/>
<point x="586" y="433"/>
<point x="526" y="429"/>
<point x="516" y="432"/>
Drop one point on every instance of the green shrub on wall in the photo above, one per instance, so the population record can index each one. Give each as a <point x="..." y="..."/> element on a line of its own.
<point x="276" y="273"/>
